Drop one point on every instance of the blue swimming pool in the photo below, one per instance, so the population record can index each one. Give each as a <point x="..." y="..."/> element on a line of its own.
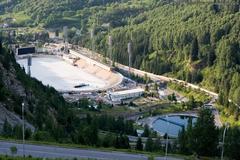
<point x="172" y="124"/>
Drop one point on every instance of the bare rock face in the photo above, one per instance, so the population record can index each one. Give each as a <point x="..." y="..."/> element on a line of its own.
<point x="14" y="87"/>
<point x="12" y="118"/>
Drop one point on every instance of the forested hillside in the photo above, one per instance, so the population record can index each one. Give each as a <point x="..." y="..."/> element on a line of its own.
<point x="81" y="14"/>
<point x="45" y="108"/>
<point x="195" y="42"/>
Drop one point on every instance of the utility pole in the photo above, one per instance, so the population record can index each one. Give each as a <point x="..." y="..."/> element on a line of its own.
<point x="224" y="134"/>
<point x="129" y="57"/>
<point x="23" y="130"/>
<point x="65" y="36"/>
<point x="110" y="43"/>
<point x="92" y="39"/>
<point x="29" y="65"/>
<point x="166" y="150"/>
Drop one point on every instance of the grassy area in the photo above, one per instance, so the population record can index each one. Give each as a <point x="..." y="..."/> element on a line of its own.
<point x="172" y="108"/>
<point x="19" y="18"/>
<point x="226" y="116"/>
<point x="188" y="92"/>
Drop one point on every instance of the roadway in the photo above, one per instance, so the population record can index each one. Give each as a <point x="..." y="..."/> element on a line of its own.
<point x="44" y="151"/>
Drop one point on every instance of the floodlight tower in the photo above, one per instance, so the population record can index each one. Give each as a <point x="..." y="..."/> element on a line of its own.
<point x="29" y="64"/>
<point x="23" y="130"/>
<point x="110" y="43"/>
<point x="65" y="37"/>
<point x="92" y="39"/>
<point x="129" y="57"/>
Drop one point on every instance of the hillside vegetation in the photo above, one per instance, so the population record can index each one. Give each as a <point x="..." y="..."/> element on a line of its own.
<point x="198" y="43"/>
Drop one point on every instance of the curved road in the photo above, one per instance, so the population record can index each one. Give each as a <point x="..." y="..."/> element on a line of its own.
<point x="44" y="151"/>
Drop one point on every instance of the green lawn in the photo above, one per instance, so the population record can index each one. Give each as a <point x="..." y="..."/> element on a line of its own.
<point x="19" y="17"/>
<point x="188" y="92"/>
<point x="225" y="116"/>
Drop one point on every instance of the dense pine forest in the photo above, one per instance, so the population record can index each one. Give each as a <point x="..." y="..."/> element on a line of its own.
<point x="198" y="43"/>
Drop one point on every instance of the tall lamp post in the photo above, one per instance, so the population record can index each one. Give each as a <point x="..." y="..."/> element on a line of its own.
<point x="224" y="134"/>
<point x="166" y="150"/>
<point x="23" y="130"/>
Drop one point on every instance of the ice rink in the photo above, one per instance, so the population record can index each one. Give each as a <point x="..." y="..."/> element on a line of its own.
<point x="55" y="72"/>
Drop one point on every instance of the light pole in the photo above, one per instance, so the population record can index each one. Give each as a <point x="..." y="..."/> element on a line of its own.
<point x="224" y="134"/>
<point x="129" y="58"/>
<point x="166" y="150"/>
<point x="110" y="42"/>
<point x="23" y="129"/>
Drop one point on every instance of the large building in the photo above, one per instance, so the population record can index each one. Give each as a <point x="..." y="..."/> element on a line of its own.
<point x="119" y="96"/>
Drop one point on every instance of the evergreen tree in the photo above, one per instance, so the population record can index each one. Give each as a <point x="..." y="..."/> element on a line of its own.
<point x="211" y="57"/>
<point x="236" y="96"/>
<point x="195" y="50"/>
<point x="205" y="134"/>
<point x="157" y="145"/>
<point x="139" y="145"/>
<point x="117" y="143"/>
<point x="7" y="129"/>
<point x="183" y="142"/>
<point x="17" y="131"/>
<point x="232" y="143"/>
<point x="146" y="131"/>
<point x="149" y="145"/>
<point x="1" y="47"/>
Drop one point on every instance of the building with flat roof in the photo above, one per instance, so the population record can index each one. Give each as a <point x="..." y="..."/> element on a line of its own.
<point x="119" y="96"/>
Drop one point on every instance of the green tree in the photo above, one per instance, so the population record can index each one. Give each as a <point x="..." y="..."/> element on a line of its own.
<point x="183" y="142"/>
<point x="149" y="145"/>
<point x="232" y="143"/>
<point x="191" y="103"/>
<point x="195" y="50"/>
<point x="146" y="131"/>
<point x="236" y="96"/>
<point x="157" y="144"/>
<point x="139" y="145"/>
<point x="13" y="150"/>
<point x="7" y="129"/>
<point x="205" y="134"/>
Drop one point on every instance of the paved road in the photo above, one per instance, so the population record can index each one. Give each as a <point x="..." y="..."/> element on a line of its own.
<point x="44" y="151"/>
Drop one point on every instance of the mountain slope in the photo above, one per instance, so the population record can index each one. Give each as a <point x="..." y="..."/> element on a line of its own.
<point x="45" y="108"/>
<point x="198" y="43"/>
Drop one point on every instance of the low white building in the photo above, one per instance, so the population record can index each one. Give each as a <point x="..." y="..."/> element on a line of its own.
<point x="119" y="96"/>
